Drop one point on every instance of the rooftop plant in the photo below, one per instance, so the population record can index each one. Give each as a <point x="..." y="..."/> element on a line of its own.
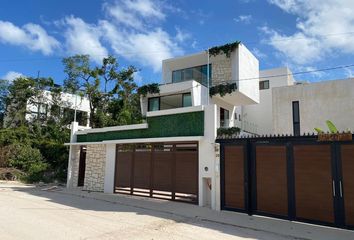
<point x="222" y="89"/>
<point x="226" y="49"/>
<point x="152" y="88"/>
<point x="228" y="131"/>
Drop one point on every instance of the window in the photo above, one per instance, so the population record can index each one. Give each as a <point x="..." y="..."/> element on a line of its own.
<point x="264" y="84"/>
<point x="224" y="117"/>
<point x="154" y="104"/>
<point x="198" y="74"/>
<point x="170" y="102"/>
<point x="296" y="118"/>
<point x="187" y="100"/>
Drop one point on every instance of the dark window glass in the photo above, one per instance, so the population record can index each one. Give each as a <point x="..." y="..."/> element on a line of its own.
<point x="187" y="100"/>
<point x="198" y="74"/>
<point x="154" y="104"/>
<point x="177" y="76"/>
<point x="264" y="84"/>
<point x="224" y="117"/>
<point x="296" y="118"/>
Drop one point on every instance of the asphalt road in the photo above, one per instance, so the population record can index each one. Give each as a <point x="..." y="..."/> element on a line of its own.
<point x="28" y="213"/>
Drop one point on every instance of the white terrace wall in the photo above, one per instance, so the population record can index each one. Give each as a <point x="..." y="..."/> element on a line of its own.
<point x="95" y="167"/>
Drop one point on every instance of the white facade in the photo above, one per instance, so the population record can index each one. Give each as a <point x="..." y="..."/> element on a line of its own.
<point x="41" y="105"/>
<point x="318" y="102"/>
<point x="258" y="118"/>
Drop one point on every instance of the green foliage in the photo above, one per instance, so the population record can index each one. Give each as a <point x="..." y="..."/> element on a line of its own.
<point x="149" y="88"/>
<point x="228" y="131"/>
<point x="319" y="130"/>
<point x="82" y="76"/>
<point x="331" y="127"/>
<point x="223" y="89"/>
<point x="226" y="49"/>
<point x="27" y="159"/>
<point x="184" y="124"/>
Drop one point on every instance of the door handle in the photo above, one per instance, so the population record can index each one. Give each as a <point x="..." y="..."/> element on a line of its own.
<point x="340" y="189"/>
<point x="334" y="188"/>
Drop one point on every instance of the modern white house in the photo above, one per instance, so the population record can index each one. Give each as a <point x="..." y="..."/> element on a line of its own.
<point x="173" y="154"/>
<point x="70" y="104"/>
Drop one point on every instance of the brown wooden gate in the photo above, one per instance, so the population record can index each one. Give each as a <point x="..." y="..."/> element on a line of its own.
<point x="295" y="178"/>
<point x="160" y="170"/>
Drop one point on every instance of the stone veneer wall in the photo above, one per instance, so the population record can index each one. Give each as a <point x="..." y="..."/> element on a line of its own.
<point x="95" y="167"/>
<point x="221" y="69"/>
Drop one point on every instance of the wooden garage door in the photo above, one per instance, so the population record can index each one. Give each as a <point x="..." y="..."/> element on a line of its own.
<point x="271" y="180"/>
<point x="234" y="191"/>
<point x="347" y="155"/>
<point x="162" y="170"/>
<point x="313" y="183"/>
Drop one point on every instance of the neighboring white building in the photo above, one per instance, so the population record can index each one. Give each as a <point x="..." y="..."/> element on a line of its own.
<point x="308" y="105"/>
<point x="258" y="118"/>
<point x="69" y="103"/>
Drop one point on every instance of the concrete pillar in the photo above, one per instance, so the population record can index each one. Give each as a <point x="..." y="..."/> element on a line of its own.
<point x="110" y="168"/>
<point x="207" y="176"/>
<point x="72" y="154"/>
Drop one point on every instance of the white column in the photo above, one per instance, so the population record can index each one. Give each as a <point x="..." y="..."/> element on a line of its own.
<point x="69" y="179"/>
<point x="207" y="162"/>
<point x="110" y="168"/>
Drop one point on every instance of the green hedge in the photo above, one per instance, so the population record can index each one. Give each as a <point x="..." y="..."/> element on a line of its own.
<point x="184" y="124"/>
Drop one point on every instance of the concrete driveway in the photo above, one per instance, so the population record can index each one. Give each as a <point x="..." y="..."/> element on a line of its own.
<point x="27" y="212"/>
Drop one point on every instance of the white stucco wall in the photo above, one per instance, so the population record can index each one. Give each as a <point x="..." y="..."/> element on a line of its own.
<point x="329" y="100"/>
<point x="246" y="66"/>
<point x="258" y="118"/>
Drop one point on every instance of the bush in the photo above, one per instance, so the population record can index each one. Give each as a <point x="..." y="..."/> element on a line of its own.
<point x="56" y="155"/>
<point x="27" y="159"/>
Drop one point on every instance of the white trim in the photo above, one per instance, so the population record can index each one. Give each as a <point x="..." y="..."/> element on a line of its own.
<point x="142" y="140"/>
<point x="175" y="111"/>
<point x="116" y="128"/>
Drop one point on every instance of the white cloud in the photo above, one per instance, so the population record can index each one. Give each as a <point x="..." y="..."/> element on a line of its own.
<point x="320" y="27"/>
<point x="138" y="78"/>
<point x="149" y="48"/>
<point x="11" y="75"/>
<point x="258" y="53"/>
<point x="84" y="38"/>
<point x="244" y="19"/>
<point x="145" y="8"/>
<point x="141" y="40"/>
<point x="137" y="14"/>
<point x="31" y="36"/>
<point x="182" y="36"/>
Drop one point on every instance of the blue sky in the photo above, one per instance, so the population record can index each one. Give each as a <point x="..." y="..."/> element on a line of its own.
<point x="301" y="34"/>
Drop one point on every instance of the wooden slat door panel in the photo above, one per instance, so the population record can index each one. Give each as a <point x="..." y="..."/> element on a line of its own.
<point x="234" y="191"/>
<point x="162" y="169"/>
<point x="271" y="180"/>
<point x="142" y="170"/>
<point x="123" y="169"/>
<point x="313" y="183"/>
<point x="186" y="172"/>
<point x="347" y="157"/>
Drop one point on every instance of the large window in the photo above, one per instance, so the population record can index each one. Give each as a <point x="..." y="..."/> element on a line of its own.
<point x="170" y="102"/>
<point x="198" y="74"/>
<point x="264" y="85"/>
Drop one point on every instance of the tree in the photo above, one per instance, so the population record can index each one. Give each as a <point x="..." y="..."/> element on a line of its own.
<point x="94" y="81"/>
<point x="4" y="87"/>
